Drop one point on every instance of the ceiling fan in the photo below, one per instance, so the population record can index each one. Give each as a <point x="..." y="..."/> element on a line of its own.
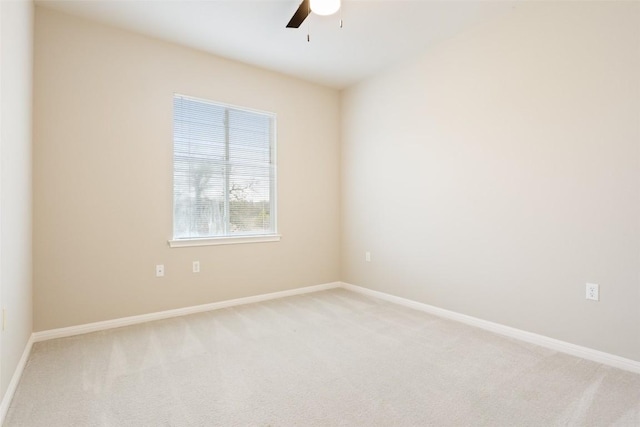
<point x="319" y="7"/>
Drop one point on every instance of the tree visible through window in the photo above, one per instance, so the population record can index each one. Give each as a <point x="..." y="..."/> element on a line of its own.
<point x="223" y="170"/>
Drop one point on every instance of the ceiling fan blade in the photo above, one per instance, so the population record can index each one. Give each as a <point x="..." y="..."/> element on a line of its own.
<point x="301" y="14"/>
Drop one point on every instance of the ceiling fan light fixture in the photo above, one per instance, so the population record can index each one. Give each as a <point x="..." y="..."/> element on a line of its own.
<point x="325" y="7"/>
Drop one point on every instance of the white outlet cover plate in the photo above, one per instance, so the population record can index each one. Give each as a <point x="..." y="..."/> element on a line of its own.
<point x="593" y="291"/>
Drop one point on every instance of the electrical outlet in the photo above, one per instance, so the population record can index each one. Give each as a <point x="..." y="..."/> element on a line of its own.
<point x="367" y="256"/>
<point x="593" y="292"/>
<point x="196" y="266"/>
<point x="160" y="270"/>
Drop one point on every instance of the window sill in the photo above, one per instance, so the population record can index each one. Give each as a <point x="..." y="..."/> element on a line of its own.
<point x="182" y="243"/>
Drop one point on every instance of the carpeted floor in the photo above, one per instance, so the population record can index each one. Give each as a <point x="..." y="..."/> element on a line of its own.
<point x="322" y="359"/>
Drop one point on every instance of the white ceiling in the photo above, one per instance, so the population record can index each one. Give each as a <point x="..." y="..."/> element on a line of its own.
<point x="376" y="34"/>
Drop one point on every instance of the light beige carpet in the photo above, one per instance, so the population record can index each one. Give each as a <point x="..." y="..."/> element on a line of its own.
<point x="323" y="359"/>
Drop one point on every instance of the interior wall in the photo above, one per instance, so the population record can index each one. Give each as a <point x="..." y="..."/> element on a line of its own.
<point x="499" y="172"/>
<point x="16" y="64"/>
<point x="103" y="176"/>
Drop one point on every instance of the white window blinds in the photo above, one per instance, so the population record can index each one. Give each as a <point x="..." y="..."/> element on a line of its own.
<point x="223" y="170"/>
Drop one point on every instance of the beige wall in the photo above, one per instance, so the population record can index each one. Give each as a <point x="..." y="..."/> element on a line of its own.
<point x="499" y="172"/>
<point x="16" y="60"/>
<point x="103" y="176"/>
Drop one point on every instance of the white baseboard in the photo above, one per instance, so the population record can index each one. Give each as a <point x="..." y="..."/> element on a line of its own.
<point x="551" y="343"/>
<point x="132" y="320"/>
<point x="15" y="379"/>
<point x="541" y="340"/>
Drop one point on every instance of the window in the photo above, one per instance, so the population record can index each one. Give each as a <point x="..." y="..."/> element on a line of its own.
<point x="224" y="173"/>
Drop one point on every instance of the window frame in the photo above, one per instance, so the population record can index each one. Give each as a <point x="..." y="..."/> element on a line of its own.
<point x="273" y="235"/>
